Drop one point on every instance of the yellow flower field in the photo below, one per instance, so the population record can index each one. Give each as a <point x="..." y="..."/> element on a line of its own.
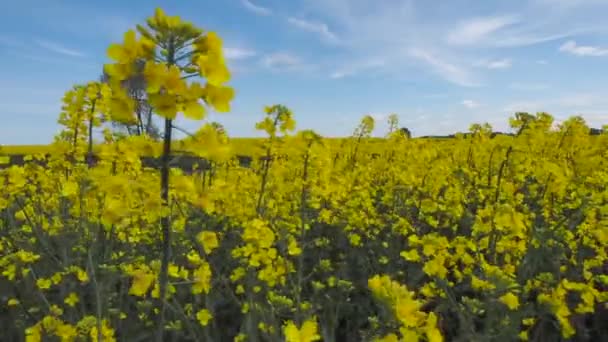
<point x="476" y="238"/>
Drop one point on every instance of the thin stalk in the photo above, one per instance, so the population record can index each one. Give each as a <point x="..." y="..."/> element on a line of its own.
<point x="493" y="234"/>
<point x="165" y="218"/>
<point x="166" y="229"/>
<point x="266" y="168"/>
<point x="95" y="284"/>
<point x="90" y="151"/>
<point x="303" y="219"/>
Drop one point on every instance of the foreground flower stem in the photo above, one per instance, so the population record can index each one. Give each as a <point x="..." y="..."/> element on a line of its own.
<point x="165" y="218"/>
<point x="166" y="228"/>
<point x="90" y="137"/>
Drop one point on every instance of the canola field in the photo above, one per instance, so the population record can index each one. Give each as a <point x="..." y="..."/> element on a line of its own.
<point x="476" y="238"/>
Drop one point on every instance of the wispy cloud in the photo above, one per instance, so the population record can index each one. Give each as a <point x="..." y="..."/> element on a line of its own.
<point x="316" y="27"/>
<point x="527" y="39"/>
<point x="579" y="50"/>
<point x="236" y="53"/>
<point x="256" y="8"/>
<point x="42" y="58"/>
<point x="357" y="67"/>
<point x="444" y="69"/>
<point x="413" y="37"/>
<point x="23" y="49"/>
<point x="282" y="61"/>
<point x="478" y="29"/>
<point x="504" y="63"/>
<point x="54" y="47"/>
<point x="470" y="104"/>
<point x="339" y="74"/>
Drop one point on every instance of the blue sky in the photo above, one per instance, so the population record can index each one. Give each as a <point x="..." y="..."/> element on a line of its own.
<point x="440" y="65"/>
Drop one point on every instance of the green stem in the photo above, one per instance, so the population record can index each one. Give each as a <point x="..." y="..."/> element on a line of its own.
<point x="165" y="219"/>
<point x="95" y="284"/>
<point x="166" y="229"/>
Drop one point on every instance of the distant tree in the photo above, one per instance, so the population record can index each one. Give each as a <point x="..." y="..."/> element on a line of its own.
<point x="406" y="132"/>
<point x="481" y="129"/>
<point x="136" y="89"/>
<point x="523" y="121"/>
<point x="393" y="122"/>
<point x="596" y="131"/>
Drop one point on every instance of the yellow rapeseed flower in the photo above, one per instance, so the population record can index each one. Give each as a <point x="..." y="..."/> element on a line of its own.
<point x="202" y="279"/>
<point x="142" y="280"/>
<point x="208" y="240"/>
<point x="126" y="52"/>
<point x="307" y="333"/>
<point x="203" y="317"/>
<point x="43" y="284"/>
<point x="66" y="332"/>
<point x="510" y="300"/>
<point x="71" y="299"/>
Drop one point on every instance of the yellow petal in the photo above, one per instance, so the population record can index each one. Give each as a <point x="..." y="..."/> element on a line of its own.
<point x="165" y="105"/>
<point x="116" y="52"/>
<point x="141" y="283"/>
<point x="219" y="97"/>
<point x="130" y="40"/>
<point x="309" y="332"/>
<point x="292" y="334"/>
<point x="194" y="110"/>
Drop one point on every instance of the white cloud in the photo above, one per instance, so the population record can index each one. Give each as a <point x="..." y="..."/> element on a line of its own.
<point x="30" y="54"/>
<point x="58" y="48"/>
<point x="256" y="8"/>
<point x="447" y="36"/>
<point x="504" y="63"/>
<point x="470" y="104"/>
<point x="578" y="50"/>
<point x="501" y="32"/>
<point x="356" y="67"/>
<point x="339" y="74"/>
<point x="520" y="40"/>
<point x="478" y="29"/>
<point x="319" y="28"/>
<point x="234" y="53"/>
<point x="23" y="48"/>
<point x="446" y="70"/>
<point x="283" y="61"/>
<point x="500" y="64"/>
